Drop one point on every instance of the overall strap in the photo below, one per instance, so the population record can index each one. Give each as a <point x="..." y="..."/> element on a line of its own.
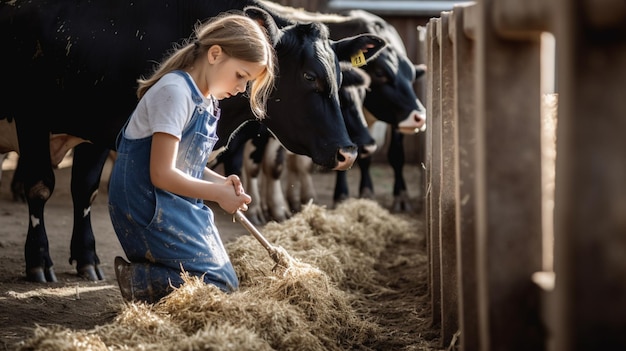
<point x="120" y="134"/>
<point x="197" y="99"/>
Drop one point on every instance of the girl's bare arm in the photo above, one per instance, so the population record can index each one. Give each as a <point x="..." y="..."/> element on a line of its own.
<point x="226" y="191"/>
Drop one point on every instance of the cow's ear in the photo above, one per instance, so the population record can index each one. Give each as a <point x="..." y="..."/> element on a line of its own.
<point x="367" y="44"/>
<point x="420" y="70"/>
<point x="353" y="76"/>
<point x="266" y="21"/>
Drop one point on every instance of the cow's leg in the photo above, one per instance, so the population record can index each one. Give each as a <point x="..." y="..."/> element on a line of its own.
<point x="342" y="190"/>
<point x="252" y="158"/>
<point x="87" y="167"/>
<point x="395" y="156"/>
<point x="300" y="188"/>
<point x="17" y="184"/>
<point x="307" y="189"/>
<point x="366" y="185"/>
<point x="273" y="165"/>
<point x="37" y="176"/>
<point x="293" y="182"/>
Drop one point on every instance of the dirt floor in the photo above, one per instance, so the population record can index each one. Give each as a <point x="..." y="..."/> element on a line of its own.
<point x="78" y="304"/>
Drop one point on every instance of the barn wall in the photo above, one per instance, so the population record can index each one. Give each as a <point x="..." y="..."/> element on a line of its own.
<point x="406" y="25"/>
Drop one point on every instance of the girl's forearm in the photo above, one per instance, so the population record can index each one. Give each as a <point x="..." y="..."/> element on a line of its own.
<point x="211" y="188"/>
<point x="212" y="176"/>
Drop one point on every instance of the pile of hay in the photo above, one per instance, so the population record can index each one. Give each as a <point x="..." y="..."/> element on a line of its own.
<point x="358" y="281"/>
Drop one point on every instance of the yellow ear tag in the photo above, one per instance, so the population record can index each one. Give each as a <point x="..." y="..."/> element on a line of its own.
<point x="358" y="59"/>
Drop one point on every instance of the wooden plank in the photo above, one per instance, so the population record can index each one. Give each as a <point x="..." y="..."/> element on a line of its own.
<point x="447" y="203"/>
<point x="464" y="112"/>
<point x="590" y="206"/>
<point x="508" y="192"/>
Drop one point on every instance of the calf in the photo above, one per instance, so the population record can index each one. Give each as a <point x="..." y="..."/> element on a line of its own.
<point x="86" y="58"/>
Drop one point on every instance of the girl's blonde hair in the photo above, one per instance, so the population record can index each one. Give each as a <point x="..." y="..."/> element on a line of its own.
<point x="239" y="37"/>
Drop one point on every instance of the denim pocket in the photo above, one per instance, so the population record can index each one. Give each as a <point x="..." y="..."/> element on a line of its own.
<point x="194" y="154"/>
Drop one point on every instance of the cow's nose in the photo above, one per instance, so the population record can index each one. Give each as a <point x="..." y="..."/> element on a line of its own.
<point x="345" y="158"/>
<point x="413" y="123"/>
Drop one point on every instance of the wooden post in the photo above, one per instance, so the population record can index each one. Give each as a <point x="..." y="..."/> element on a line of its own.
<point x="508" y="180"/>
<point x="590" y="205"/>
<point x="434" y="181"/>
<point x="462" y="32"/>
<point x="447" y="203"/>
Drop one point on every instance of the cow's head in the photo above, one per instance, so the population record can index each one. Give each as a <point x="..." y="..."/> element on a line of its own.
<point x="392" y="97"/>
<point x="304" y="111"/>
<point x="352" y="92"/>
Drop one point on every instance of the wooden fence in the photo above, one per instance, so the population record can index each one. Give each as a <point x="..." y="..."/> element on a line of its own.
<point x="489" y="213"/>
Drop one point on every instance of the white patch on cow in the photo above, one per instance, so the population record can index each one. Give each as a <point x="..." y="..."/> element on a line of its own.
<point x="93" y="197"/>
<point x="298" y="14"/>
<point x="3" y="156"/>
<point x="34" y="221"/>
<point x="414" y="122"/>
<point x="86" y="211"/>
<point x="378" y="131"/>
<point x="213" y="155"/>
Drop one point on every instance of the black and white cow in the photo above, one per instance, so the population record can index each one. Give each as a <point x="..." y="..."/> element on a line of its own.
<point x="262" y="160"/>
<point x="391" y="97"/>
<point x="71" y="69"/>
<point x="300" y="188"/>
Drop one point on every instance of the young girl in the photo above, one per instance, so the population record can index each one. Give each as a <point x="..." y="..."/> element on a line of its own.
<point x="160" y="180"/>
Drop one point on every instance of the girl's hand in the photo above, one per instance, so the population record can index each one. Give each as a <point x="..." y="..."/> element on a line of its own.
<point x="236" y="182"/>
<point x="240" y="200"/>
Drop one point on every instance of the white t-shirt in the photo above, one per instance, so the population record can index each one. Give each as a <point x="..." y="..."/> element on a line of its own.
<point x="166" y="107"/>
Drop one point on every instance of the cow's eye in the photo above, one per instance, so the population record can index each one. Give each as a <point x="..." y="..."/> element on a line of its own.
<point x="313" y="79"/>
<point x="308" y="76"/>
<point x="379" y="73"/>
<point x="379" y="76"/>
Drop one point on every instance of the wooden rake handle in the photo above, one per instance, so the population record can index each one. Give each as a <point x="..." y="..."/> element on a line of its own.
<point x="257" y="234"/>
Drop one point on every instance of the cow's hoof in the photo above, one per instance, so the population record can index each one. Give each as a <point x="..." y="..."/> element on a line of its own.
<point x="295" y="206"/>
<point x="339" y="199"/>
<point x="256" y="216"/>
<point x="91" y="272"/>
<point x="281" y="215"/>
<point x="367" y="193"/>
<point x="40" y="275"/>
<point x="402" y="203"/>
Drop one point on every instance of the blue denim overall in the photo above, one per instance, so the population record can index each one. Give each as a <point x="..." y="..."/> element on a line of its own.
<point x="161" y="232"/>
